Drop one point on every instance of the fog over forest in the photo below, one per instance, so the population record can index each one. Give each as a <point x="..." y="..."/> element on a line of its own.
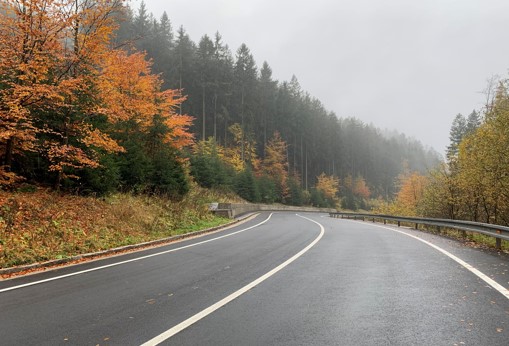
<point x="225" y="87"/>
<point x="402" y="65"/>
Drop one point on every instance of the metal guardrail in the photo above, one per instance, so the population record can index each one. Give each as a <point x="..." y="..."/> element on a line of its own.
<point x="232" y="210"/>
<point x="496" y="231"/>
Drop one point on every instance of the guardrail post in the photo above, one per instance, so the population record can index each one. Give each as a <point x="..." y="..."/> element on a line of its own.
<point x="498" y="244"/>
<point x="399" y="223"/>
<point x="373" y="220"/>
<point x="385" y="222"/>
<point x="416" y="225"/>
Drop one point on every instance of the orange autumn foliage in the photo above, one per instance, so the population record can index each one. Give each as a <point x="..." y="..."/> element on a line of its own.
<point x="127" y="88"/>
<point x="409" y="197"/>
<point x="49" y="50"/>
<point x="411" y="191"/>
<point x="58" y="74"/>
<point x="130" y="93"/>
<point x="29" y="44"/>
<point x="360" y="188"/>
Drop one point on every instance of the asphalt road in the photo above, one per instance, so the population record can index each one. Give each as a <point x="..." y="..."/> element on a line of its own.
<point x="348" y="283"/>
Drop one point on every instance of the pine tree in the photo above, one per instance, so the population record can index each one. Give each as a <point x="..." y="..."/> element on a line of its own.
<point x="456" y="134"/>
<point x="161" y="49"/>
<point x="473" y="122"/>
<point x="205" y="60"/>
<point x="184" y="72"/>
<point x="267" y="105"/>
<point x="246" y="186"/>
<point x="245" y="77"/>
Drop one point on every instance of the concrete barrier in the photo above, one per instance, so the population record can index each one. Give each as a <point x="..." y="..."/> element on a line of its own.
<point x="232" y="210"/>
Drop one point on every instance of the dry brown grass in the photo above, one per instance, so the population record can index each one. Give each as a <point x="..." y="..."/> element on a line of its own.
<point x="44" y="225"/>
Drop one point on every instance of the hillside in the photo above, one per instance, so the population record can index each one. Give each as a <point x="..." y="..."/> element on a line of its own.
<point x="40" y="225"/>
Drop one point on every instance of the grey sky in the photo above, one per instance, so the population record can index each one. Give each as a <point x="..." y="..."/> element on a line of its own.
<point x="407" y="65"/>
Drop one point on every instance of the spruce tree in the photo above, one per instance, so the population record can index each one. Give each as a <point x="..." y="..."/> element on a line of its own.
<point x="456" y="134"/>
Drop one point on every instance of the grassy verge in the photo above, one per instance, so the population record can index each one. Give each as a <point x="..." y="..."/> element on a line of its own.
<point x="40" y="226"/>
<point x="474" y="239"/>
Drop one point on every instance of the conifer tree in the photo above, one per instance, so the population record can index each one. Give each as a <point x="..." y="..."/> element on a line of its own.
<point x="456" y="134"/>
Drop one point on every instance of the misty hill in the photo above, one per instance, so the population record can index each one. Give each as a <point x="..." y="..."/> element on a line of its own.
<point x="224" y="88"/>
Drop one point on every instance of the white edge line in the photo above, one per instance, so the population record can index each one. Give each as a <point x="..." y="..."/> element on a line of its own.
<point x="193" y="319"/>
<point x="131" y="260"/>
<point x="504" y="291"/>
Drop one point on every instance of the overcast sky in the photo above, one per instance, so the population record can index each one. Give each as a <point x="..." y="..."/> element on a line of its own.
<point x="407" y="65"/>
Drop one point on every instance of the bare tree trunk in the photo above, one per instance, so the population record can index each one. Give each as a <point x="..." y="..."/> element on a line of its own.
<point x="180" y="80"/>
<point x="294" y="153"/>
<point x="242" y="120"/>
<point x="203" y="112"/>
<point x="215" y="117"/>
<point x="306" y="169"/>
<point x="301" y="161"/>
<point x="9" y="148"/>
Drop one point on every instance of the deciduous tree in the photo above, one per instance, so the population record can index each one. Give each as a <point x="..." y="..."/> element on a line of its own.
<point x="275" y="164"/>
<point x="328" y="185"/>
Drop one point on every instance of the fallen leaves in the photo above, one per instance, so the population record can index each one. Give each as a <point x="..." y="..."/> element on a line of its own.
<point x="39" y="226"/>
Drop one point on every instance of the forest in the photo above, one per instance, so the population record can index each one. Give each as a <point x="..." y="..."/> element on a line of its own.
<point x="96" y="97"/>
<point x="473" y="183"/>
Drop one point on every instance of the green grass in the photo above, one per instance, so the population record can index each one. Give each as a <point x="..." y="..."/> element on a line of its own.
<point x="216" y="221"/>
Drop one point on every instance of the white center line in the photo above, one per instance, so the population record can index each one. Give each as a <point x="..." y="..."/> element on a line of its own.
<point x="193" y="319"/>
<point x="131" y="260"/>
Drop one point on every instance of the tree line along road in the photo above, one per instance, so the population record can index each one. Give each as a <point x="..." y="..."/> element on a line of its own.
<point x="276" y="279"/>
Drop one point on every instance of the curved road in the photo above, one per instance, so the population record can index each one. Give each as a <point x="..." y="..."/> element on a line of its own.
<point x="278" y="279"/>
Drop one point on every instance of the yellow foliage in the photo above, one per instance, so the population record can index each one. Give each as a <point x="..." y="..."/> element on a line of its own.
<point x="233" y="154"/>
<point x="275" y="164"/>
<point x="442" y="196"/>
<point x="348" y="182"/>
<point x="412" y="188"/>
<point x="208" y="147"/>
<point x="329" y="185"/>
<point x="483" y="163"/>
<point x="410" y="194"/>
<point x="409" y="197"/>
